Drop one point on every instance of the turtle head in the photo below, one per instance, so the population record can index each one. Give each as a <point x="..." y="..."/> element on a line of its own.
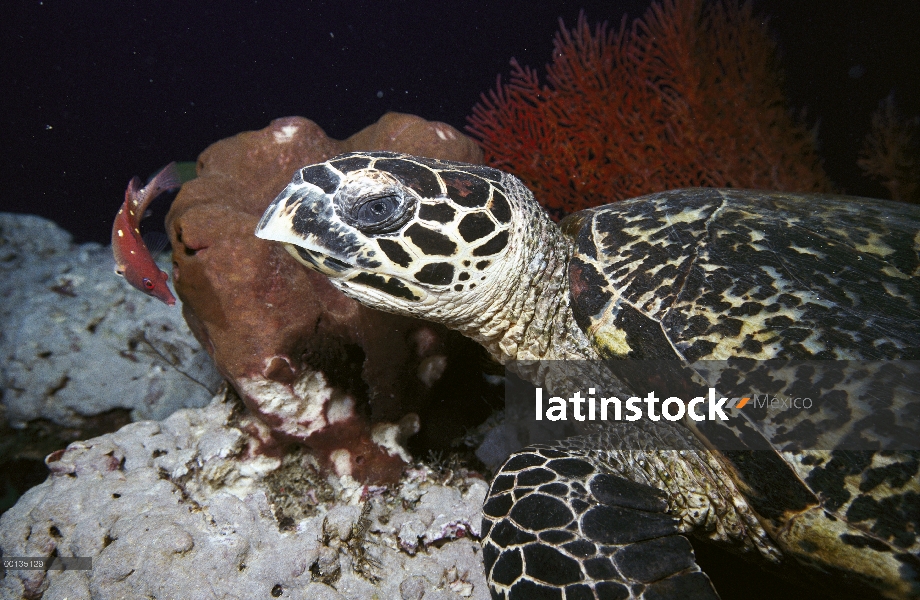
<point x="399" y="233"/>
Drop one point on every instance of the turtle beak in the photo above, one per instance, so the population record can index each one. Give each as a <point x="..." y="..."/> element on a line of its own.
<point x="327" y="265"/>
<point x="302" y="218"/>
<point x="277" y="223"/>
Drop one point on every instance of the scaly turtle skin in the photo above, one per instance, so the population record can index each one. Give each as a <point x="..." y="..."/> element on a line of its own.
<point x="684" y="276"/>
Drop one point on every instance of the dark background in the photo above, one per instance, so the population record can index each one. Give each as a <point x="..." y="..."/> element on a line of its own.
<point x="96" y="92"/>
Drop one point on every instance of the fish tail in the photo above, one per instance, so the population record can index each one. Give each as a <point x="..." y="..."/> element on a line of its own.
<point x="168" y="178"/>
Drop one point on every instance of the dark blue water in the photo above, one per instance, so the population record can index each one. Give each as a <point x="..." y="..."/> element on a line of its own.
<point x="95" y="93"/>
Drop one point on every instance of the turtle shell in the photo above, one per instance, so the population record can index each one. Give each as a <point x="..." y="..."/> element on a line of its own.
<point x="705" y="274"/>
<point x="713" y="274"/>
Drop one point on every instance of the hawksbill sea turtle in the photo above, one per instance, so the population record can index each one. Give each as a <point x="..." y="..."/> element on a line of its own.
<point x="681" y="277"/>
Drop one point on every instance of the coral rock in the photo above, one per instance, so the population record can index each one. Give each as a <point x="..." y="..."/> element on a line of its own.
<point x="316" y="366"/>
<point x="79" y="345"/>
<point x="161" y="507"/>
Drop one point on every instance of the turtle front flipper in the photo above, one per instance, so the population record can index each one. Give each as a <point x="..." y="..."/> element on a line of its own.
<point x="554" y="526"/>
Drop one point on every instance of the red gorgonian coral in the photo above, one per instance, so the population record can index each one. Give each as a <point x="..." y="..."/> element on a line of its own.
<point x="689" y="95"/>
<point x="891" y="152"/>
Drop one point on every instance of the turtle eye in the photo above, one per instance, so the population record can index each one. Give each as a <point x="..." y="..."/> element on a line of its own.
<point x="148" y="284"/>
<point x="383" y="213"/>
<point x="376" y="210"/>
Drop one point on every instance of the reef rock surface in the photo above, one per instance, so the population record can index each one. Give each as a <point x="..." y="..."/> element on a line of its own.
<point x="78" y="344"/>
<point x="280" y="332"/>
<point x="192" y="507"/>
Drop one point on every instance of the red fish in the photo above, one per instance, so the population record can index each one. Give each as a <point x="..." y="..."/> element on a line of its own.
<point x="132" y="258"/>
